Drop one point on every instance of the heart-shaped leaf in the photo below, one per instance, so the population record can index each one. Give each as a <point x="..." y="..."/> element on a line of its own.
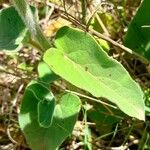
<point x="81" y="61"/>
<point x="64" y="119"/>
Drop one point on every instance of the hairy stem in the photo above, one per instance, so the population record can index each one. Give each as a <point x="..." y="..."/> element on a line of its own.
<point x="28" y="18"/>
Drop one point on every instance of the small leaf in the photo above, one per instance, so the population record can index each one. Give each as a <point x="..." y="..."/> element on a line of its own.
<point x="79" y="60"/>
<point x="138" y="34"/>
<point x="64" y="119"/>
<point x="46" y="74"/>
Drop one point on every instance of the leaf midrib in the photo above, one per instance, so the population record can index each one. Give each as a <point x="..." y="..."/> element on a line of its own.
<point x="95" y="78"/>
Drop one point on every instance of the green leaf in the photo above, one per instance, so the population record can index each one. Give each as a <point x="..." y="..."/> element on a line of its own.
<point x="79" y="60"/>
<point x="46" y="102"/>
<point x="64" y="118"/>
<point x="12" y="29"/>
<point x="104" y="117"/>
<point x="46" y="74"/>
<point x="29" y="19"/>
<point x="39" y="90"/>
<point x="138" y="34"/>
<point x="46" y="110"/>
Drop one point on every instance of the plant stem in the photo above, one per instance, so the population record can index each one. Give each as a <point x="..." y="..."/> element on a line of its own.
<point x="104" y="37"/>
<point x="102" y="25"/>
<point x="34" y="44"/>
<point x="91" y="98"/>
<point x="144" y="137"/>
<point x="114" y="134"/>
<point x="119" y="130"/>
<point x="129" y="132"/>
<point x="84" y="7"/>
<point x="28" y="18"/>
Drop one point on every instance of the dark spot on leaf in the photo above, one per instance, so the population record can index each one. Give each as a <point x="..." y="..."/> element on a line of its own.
<point x="86" y="68"/>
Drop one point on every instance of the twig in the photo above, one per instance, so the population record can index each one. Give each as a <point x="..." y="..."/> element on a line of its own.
<point x="84" y="10"/>
<point x="102" y="25"/>
<point x="104" y="37"/>
<point x="10" y="137"/>
<point x="64" y="6"/>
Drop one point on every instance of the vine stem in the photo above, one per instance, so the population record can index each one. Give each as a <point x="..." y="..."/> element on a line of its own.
<point x="91" y="98"/>
<point x="144" y="139"/>
<point x="87" y="97"/>
<point x="28" y="18"/>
